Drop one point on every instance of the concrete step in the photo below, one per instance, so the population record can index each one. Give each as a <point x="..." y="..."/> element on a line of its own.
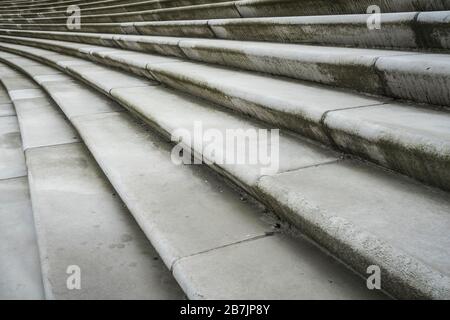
<point x="410" y="139"/>
<point x="52" y="5"/>
<point x="64" y="181"/>
<point x="19" y="264"/>
<point x="359" y="234"/>
<point x="410" y="30"/>
<point x="110" y="9"/>
<point x="381" y="72"/>
<point x="225" y="9"/>
<point x="251" y="8"/>
<point x="190" y="215"/>
<point x="20" y="268"/>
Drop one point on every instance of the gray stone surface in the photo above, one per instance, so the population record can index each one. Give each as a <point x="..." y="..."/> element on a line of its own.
<point x="270" y="8"/>
<point x="182" y="209"/>
<point x="19" y="264"/>
<point x="410" y="139"/>
<point x="162" y="107"/>
<point x="329" y="29"/>
<point x="80" y="221"/>
<point x="6" y="109"/>
<point x="341" y="67"/>
<point x="371" y="217"/>
<point x="422" y="78"/>
<point x="361" y="235"/>
<point x="293" y="105"/>
<point x="12" y="162"/>
<point x="41" y="124"/>
<point x="141" y="187"/>
<point x="246" y="271"/>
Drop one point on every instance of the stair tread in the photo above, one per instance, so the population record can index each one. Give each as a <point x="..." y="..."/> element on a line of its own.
<point x="21" y="273"/>
<point x="420" y="268"/>
<point x="159" y="195"/>
<point x="63" y="174"/>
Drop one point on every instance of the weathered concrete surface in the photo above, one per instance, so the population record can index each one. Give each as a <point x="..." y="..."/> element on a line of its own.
<point x="342" y="67"/>
<point x="400" y="30"/>
<point x="12" y="162"/>
<point x="6" y="109"/>
<point x="390" y="221"/>
<point x="246" y="271"/>
<point x="235" y="220"/>
<point x="433" y="29"/>
<point x="181" y="223"/>
<point x="180" y="28"/>
<point x="422" y="78"/>
<point x="41" y="124"/>
<point x="190" y="12"/>
<point x="293" y="105"/>
<point x="410" y="139"/>
<point x="19" y="264"/>
<point x="161" y="108"/>
<point x="72" y="96"/>
<point x="300" y="107"/>
<point x="6" y="106"/>
<point x="182" y="209"/>
<point x="351" y="30"/>
<point x="430" y="282"/>
<point x="80" y="221"/>
<point x="271" y="8"/>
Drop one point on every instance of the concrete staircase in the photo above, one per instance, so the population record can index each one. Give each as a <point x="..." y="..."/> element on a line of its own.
<point x="364" y="147"/>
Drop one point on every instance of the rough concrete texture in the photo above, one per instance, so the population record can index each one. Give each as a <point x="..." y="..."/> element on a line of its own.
<point x="19" y="264"/>
<point x="305" y="116"/>
<point x="245" y="271"/>
<point x="410" y="139"/>
<point x="389" y="221"/>
<point x="66" y="181"/>
<point x="423" y="78"/>
<point x="12" y="162"/>
<point x="366" y="70"/>
<point x="231" y="84"/>
<point x="341" y="67"/>
<point x="400" y="30"/>
<point x="235" y="220"/>
<point x="161" y="107"/>
<point x="41" y="124"/>
<point x="270" y="8"/>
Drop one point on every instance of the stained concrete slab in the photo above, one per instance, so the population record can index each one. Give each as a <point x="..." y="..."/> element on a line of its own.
<point x="162" y="107"/>
<point x="293" y="270"/>
<point x="423" y="78"/>
<point x="294" y="105"/>
<point x="182" y="209"/>
<point x="7" y="109"/>
<point x="372" y="217"/>
<point x="17" y="82"/>
<point x="12" y="161"/>
<point x="41" y="124"/>
<point x="81" y="222"/>
<point x="72" y="96"/>
<point x="19" y="264"/>
<point x="341" y="67"/>
<point x="107" y="83"/>
<point x="414" y="140"/>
